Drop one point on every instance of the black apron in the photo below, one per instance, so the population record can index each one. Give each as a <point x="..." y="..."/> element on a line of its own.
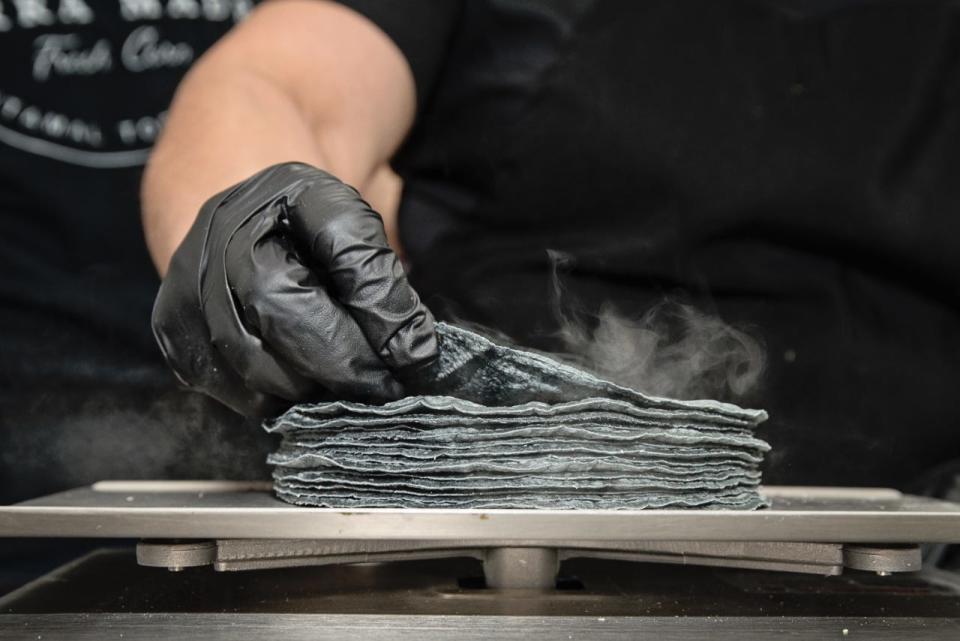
<point x="792" y="171"/>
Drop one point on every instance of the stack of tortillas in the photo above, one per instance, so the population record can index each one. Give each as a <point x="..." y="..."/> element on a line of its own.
<point x="505" y="428"/>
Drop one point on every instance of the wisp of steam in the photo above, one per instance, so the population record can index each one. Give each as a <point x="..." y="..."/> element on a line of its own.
<point x="671" y="350"/>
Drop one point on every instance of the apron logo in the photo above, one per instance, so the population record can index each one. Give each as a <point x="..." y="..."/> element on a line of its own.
<point x="142" y="50"/>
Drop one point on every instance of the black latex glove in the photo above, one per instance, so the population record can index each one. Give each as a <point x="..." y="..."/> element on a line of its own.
<point x="285" y="290"/>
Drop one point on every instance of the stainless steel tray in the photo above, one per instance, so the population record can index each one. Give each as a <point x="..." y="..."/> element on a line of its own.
<point x="231" y="510"/>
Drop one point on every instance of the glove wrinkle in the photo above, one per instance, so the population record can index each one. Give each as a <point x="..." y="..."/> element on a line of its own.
<point x="246" y="353"/>
<point x="306" y="340"/>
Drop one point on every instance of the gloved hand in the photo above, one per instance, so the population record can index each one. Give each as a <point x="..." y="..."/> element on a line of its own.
<point x="285" y="290"/>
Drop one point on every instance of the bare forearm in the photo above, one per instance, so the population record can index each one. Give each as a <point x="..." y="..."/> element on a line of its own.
<point x="233" y="117"/>
<point x="217" y="135"/>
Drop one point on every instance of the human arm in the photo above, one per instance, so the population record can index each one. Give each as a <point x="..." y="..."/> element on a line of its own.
<point x="334" y="92"/>
<point x="284" y="285"/>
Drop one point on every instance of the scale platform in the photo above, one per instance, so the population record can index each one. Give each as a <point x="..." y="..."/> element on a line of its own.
<point x="818" y="560"/>
<point x="224" y="509"/>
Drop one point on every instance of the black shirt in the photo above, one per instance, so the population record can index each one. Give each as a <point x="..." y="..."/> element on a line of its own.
<point x="84" y="394"/>
<point x="789" y="166"/>
<point x="83" y="93"/>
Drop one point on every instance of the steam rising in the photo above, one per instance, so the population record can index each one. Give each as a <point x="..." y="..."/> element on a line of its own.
<point x="672" y="350"/>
